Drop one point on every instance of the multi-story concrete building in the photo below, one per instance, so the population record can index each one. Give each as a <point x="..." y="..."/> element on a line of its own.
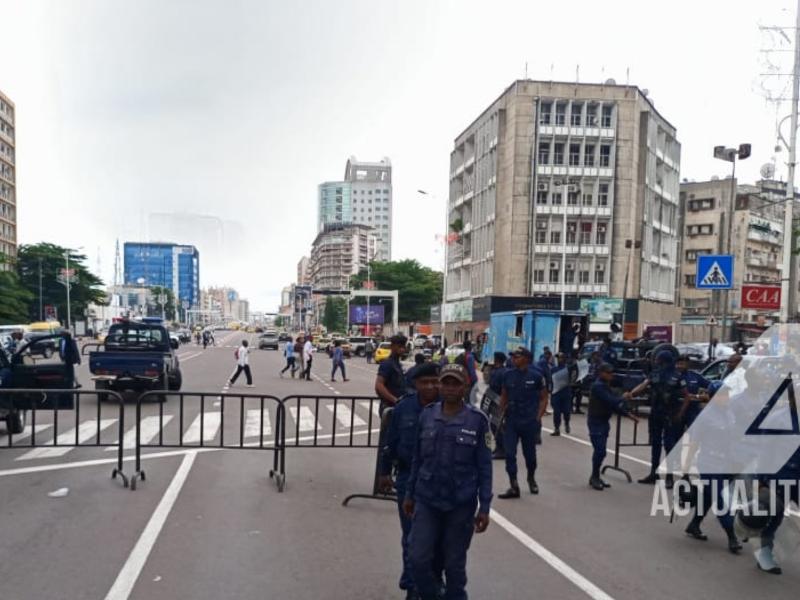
<point x="302" y="271"/>
<point x="364" y="198"/>
<point x="339" y="252"/>
<point x="166" y="265"/>
<point x="8" y="186"/>
<point x="226" y="300"/>
<point x="566" y="187"/>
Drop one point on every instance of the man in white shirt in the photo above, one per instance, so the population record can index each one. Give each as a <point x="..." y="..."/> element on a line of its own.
<point x="242" y="364"/>
<point x="308" y="351"/>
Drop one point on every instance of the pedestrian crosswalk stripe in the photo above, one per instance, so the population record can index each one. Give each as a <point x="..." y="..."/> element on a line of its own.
<point x="375" y="409"/>
<point x="211" y="421"/>
<point x="149" y="430"/>
<point x="86" y="431"/>
<point x="252" y="426"/>
<point x="715" y="276"/>
<point x="344" y="414"/>
<point x="306" y="420"/>
<point x="26" y="433"/>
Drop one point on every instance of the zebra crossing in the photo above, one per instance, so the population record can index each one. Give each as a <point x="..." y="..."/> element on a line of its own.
<point x="258" y="425"/>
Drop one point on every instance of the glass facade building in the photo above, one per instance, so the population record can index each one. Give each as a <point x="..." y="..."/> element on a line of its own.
<point x="166" y="265"/>
<point x="335" y="203"/>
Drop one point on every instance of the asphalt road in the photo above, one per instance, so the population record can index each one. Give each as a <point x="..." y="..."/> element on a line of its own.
<point x="210" y="524"/>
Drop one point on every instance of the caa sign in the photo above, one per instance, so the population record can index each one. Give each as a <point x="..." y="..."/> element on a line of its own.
<point x="765" y="297"/>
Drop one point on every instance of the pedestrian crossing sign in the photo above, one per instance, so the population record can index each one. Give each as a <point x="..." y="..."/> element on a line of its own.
<point x="714" y="272"/>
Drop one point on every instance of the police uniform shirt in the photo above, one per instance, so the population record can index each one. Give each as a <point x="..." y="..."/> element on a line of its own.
<point x="393" y="378"/>
<point x="667" y="388"/>
<point x="695" y="382"/>
<point x="401" y="436"/>
<point x="452" y="459"/>
<point x="496" y="379"/>
<point x="603" y="402"/>
<point x="523" y="389"/>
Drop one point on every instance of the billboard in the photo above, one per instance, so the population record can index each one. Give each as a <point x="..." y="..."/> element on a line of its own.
<point x="601" y="310"/>
<point x="359" y="314"/>
<point x="765" y="297"/>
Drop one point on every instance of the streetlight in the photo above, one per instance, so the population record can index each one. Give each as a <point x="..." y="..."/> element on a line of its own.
<point x="68" y="283"/>
<point x="730" y="155"/>
<point x="444" y="276"/>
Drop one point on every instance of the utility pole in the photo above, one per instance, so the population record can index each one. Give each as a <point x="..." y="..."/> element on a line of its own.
<point x="788" y="275"/>
<point x="41" y="305"/>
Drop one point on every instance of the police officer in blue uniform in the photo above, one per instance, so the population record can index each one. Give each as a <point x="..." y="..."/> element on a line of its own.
<point x="390" y="384"/>
<point x="523" y="402"/>
<point x="667" y="389"/>
<point x="451" y="478"/>
<point x="603" y="403"/>
<point x="561" y="400"/>
<point x="696" y="384"/>
<point x="398" y="452"/>
<point x="496" y="387"/>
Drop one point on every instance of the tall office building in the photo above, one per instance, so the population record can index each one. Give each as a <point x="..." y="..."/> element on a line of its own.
<point x="339" y="252"/>
<point x="364" y="197"/>
<point x="8" y="187"/>
<point x="565" y="187"/>
<point x="165" y="265"/>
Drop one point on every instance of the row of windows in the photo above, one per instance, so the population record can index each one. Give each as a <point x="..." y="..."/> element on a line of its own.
<point x="7" y="211"/>
<point x="570" y="275"/>
<point x="5" y="192"/>
<point x="369" y="192"/>
<point x="6" y="171"/>
<point x="5" y="107"/>
<point x="579" y="154"/>
<point x="577" y="233"/>
<point x="704" y="229"/>
<point x="691" y="255"/>
<point x="7" y="150"/>
<point x="6" y="249"/>
<point x="577" y="114"/>
<point x="700" y="204"/>
<point x="574" y="198"/>
<point x="7" y="231"/>
<point x="7" y="129"/>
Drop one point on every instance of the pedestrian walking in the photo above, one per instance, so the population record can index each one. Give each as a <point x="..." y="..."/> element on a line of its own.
<point x="338" y="361"/>
<point x="449" y="490"/>
<point x="288" y="353"/>
<point x="369" y="350"/>
<point x="523" y="403"/>
<point x="397" y="454"/>
<point x="298" y="352"/>
<point x="242" y="355"/>
<point x="308" y="356"/>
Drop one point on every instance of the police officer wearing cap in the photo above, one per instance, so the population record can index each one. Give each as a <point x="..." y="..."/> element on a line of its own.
<point x="667" y="387"/>
<point x="390" y="384"/>
<point x="451" y="479"/>
<point x="398" y="452"/>
<point x="523" y="401"/>
<point x="603" y="403"/>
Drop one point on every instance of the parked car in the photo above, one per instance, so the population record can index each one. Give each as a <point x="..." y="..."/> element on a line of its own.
<point x="284" y="337"/>
<point x="41" y="344"/>
<point x="268" y="341"/>
<point x="321" y="343"/>
<point x="185" y="336"/>
<point x="454" y="351"/>
<point x="358" y="343"/>
<point x="419" y="341"/>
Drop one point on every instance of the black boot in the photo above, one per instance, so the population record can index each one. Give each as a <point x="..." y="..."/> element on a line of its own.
<point x="532" y="485"/>
<point x="669" y="482"/>
<point x="734" y="545"/>
<point x="596" y="484"/>
<point x="555" y="432"/>
<point x="605" y="483"/>
<point x="566" y="427"/>
<point x="512" y="492"/>
<point x="650" y="479"/>
<point x="693" y="530"/>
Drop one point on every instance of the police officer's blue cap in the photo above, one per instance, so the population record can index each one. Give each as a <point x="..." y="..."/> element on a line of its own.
<point x="455" y="371"/>
<point x="523" y="351"/>
<point x="427" y="370"/>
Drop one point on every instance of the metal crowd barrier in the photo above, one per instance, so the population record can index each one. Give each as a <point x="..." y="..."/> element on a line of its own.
<point x="44" y="403"/>
<point x="377" y="494"/>
<point x="212" y="412"/>
<point x="305" y="411"/>
<point x="636" y="405"/>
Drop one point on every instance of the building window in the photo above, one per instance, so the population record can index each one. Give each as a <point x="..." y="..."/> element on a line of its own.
<point x="586" y="233"/>
<point x="691" y="255"/>
<point x="555" y="275"/>
<point x="706" y="229"/>
<point x="701" y="204"/>
<point x="588" y="156"/>
<point x="538" y="277"/>
<point x="556" y="198"/>
<point x="606" y="118"/>
<point x="544" y="153"/>
<point x="599" y="274"/>
<point x="574" y="155"/>
<point x="601" y="233"/>
<point x="571" y="232"/>
<point x="541" y="197"/>
<point x="602" y="196"/>
<point x="605" y="156"/>
<point x="572" y="198"/>
<point x="689" y="279"/>
<point x="591" y="115"/>
<point x="558" y="154"/>
<point x="587" y="199"/>
<point x="569" y="274"/>
<point x="545" y="114"/>
<point x="555" y="237"/>
<point x="561" y="113"/>
<point x="575" y="118"/>
<point x="583" y="277"/>
<point x="541" y="236"/>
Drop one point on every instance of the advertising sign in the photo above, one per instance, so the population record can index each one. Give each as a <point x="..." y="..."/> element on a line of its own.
<point x="659" y="333"/>
<point x="358" y="314"/>
<point x="764" y="297"/>
<point x="458" y="311"/>
<point x="601" y="310"/>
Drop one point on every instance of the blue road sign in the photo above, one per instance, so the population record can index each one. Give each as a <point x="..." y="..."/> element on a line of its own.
<point x="714" y="272"/>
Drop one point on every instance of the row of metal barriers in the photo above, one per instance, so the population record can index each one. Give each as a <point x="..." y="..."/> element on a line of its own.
<point x="50" y="423"/>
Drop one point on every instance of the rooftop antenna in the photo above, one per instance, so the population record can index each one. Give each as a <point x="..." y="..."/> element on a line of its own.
<point x="628" y="76"/>
<point x="577" y="73"/>
<point x="526" y="69"/>
<point x="552" y="66"/>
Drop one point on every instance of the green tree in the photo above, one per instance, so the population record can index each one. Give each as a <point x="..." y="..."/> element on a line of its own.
<point x="334" y="317"/>
<point x="279" y="321"/>
<point x="86" y="287"/>
<point x="418" y="287"/>
<point x="14" y="298"/>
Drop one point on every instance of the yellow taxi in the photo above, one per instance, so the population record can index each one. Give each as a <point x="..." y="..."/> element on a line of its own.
<point x="383" y="352"/>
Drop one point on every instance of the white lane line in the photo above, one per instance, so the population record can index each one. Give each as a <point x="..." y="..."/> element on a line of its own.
<point x="307" y="420"/>
<point x="86" y="431"/>
<point x="609" y="450"/>
<point x="26" y="433"/>
<point x="364" y="404"/>
<point x="149" y="430"/>
<point x="344" y="414"/>
<point x="190" y="357"/>
<point x="211" y="421"/>
<point x="252" y="426"/>
<point x="126" y="579"/>
<point x="551" y="559"/>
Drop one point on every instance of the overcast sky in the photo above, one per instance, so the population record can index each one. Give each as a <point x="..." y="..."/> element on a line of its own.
<point x="239" y="109"/>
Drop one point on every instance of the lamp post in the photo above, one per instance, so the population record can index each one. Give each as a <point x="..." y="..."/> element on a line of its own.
<point x="730" y="155"/>
<point x="444" y="271"/>
<point x="68" y="284"/>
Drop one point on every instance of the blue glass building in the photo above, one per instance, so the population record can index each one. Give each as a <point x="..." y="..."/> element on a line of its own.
<point x="167" y="265"/>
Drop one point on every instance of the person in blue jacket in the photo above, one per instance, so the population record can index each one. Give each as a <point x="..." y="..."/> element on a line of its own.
<point x="603" y="403"/>
<point x="496" y="387"/>
<point x="561" y="400"/>
<point x="449" y="490"/>
<point x="398" y="453"/>
<point x="695" y="385"/>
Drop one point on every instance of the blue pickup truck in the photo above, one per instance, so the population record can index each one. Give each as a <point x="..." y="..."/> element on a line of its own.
<point x="136" y="356"/>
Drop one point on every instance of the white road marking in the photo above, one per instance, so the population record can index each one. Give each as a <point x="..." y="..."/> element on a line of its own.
<point x="26" y="433"/>
<point x="307" y="420"/>
<point x="190" y="357"/>
<point x="609" y="450"/>
<point x="252" y="426"/>
<point x="86" y="431"/>
<point x="375" y="408"/>
<point x="149" y="430"/>
<point x="551" y="559"/>
<point x="211" y="421"/>
<point x="126" y="579"/>
<point x="343" y="415"/>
